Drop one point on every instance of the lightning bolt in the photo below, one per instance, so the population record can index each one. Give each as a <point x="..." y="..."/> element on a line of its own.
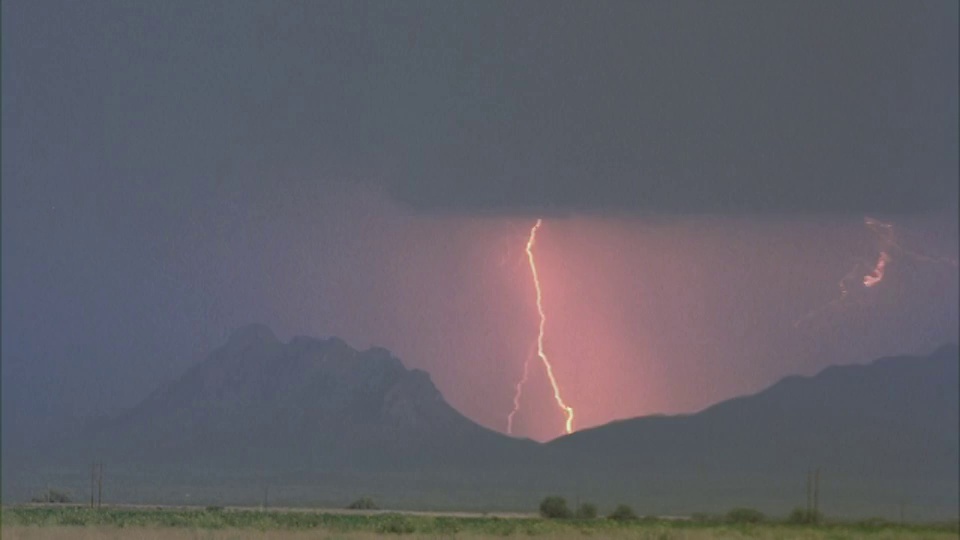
<point x="518" y="392"/>
<point x="567" y="410"/>
<point x="876" y="275"/>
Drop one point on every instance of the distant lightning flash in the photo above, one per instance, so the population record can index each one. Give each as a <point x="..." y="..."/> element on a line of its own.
<point x="876" y="275"/>
<point x="568" y="411"/>
<point x="858" y="281"/>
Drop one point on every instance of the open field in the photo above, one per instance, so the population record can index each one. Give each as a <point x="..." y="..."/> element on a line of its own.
<point x="51" y="523"/>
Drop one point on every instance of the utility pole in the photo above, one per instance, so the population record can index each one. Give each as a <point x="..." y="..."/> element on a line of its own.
<point x="93" y="481"/>
<point x="99" y="485"/>
<point x="809" y="495"/>
<point x="816" y="495"/>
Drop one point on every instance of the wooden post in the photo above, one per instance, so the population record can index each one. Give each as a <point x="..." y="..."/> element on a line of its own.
<point x="99" y="485"/>
<point x="816" y="495"/>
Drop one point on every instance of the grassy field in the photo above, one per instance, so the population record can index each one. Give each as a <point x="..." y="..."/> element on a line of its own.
<point x="55" y="523"/>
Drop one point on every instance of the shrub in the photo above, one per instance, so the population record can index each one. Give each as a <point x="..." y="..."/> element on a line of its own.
<point x="800" y="516"/>
<point x="745" y="515"/>
<point x="587" y="511"/>
<point x="363" y="503"/>
<point x="52" y="496"/>
<point x="622" y="513"/>
<point x="554" y="508"/>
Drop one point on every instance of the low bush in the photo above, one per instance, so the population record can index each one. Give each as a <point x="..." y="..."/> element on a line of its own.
<point x="586" y="511"/>
<point x="745" y="515"/>
<point x="363" y="503"/>
<point x="52" y="496"/>
<point x="801" y="516"/>
<point x="623" y="513"/>
<point x="554" y="508"/>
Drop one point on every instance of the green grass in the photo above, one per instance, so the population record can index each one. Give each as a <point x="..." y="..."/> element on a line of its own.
<point x="446" y="526"/>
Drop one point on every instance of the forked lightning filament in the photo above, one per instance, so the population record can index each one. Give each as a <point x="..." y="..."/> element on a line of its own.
<point x="567" y="410"/>
<point x="518" y="392"/>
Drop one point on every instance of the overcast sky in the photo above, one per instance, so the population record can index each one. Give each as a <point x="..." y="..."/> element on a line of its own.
<point x="173" y="170"/>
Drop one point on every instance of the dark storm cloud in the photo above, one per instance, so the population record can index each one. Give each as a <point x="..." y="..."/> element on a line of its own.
<point x="663" y="107"/>
<point x="650" y="107"/>
<point x="505" y="107"/>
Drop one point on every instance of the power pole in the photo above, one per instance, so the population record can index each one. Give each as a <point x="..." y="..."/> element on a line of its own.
<point x="93" y="481"/>
<point x="99" y="485"/>
<point x="816" y="495"/>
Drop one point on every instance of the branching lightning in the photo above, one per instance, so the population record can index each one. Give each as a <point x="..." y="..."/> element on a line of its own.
<point x="518" y="392"/>
<point x="567" y="410"/>
<point x="864" y="276"/>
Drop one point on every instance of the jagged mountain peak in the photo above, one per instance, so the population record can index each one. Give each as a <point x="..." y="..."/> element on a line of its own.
<point x="251" y="333"/>
<point x="293" y="399"/>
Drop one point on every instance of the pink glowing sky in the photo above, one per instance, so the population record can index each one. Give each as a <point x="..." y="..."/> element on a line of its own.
<point x="643" y="316"/>
<point x="371" y="170"/>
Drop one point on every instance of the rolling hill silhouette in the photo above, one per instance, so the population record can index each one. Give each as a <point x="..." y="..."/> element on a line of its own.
<point x="886" y="432"/>
<point x="319" y="414"/>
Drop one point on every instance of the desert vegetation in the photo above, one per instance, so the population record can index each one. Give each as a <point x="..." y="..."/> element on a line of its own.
<point x="586" y="511"/>
<point x="363" y="503"/>
<point x="55" y="522"/>
<point x="622" y="513"/>
<point x="554" y="507"/>
<point x="52" y="496"/>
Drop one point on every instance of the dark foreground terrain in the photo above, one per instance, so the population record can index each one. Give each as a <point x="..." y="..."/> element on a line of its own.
<point x="216" y="523"/>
